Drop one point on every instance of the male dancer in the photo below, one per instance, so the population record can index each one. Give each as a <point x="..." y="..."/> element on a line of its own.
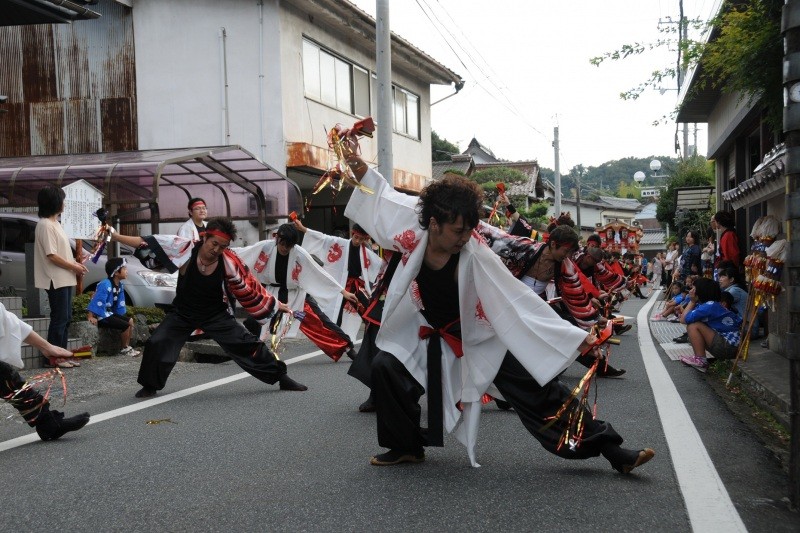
<point x="192" y="228"/>
<point x="201" y="302"/>
<point x="299" y="281"/>
<point x="352" y="263"/>
<point x="34" y="408"/>
<point x="451" y="327"/>
<point x="538" y="265"/>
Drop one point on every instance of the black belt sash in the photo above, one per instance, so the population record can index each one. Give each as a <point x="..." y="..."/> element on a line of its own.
<point x="451" y="334"/>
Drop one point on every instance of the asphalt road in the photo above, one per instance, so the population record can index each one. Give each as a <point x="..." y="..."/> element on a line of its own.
<point x="237" y="455"/>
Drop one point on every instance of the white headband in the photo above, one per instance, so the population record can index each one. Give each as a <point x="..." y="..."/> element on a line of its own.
<point x="120" y="267"/>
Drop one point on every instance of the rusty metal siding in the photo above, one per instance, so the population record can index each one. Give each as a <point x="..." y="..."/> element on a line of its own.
<point x="71" y="87"/>
<point x="38" y="64"/>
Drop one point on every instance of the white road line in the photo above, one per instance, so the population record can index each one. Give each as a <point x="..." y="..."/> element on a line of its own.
<point x="707" y="501"/>
<point x="102" y="417"/>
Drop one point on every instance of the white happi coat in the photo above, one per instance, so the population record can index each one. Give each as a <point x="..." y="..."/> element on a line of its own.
<point x="303" y="275"/>
<point x="498" y="312"/>
<point x="189" y="231"/>
<point x="13" y="332"/>
<point x="334" y="253"/>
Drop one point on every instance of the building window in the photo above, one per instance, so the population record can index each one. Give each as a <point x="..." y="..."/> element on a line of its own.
<point x="336" y="82"/>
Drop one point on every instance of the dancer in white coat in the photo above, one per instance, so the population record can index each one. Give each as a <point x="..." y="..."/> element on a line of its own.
<point x="352" y="263"/>
<point x="455" y="322"/>
<point x="198" y="212"/>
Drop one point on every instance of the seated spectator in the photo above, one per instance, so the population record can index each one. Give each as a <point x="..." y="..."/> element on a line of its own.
<point x="107" y="308"/>
<point x="727" y="282"/>
<point x="709" y="325"/>
<point x="677" y="297"/>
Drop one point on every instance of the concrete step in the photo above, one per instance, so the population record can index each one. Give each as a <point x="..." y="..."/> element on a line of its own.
<point x="12" y="304"/>
<point x="32" y="359"/>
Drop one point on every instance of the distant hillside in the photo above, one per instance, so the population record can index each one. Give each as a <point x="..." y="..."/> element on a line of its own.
<point x="606" y="179"/>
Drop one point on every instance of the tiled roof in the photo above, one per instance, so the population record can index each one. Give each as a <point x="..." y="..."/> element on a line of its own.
<point x="621" y="203"/>
<point x="766" y="181"/>
<point x="653" y="237"/>
<point x="440" y="167"/>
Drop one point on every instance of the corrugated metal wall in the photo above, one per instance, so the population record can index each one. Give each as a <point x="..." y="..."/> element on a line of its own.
<point x="71" y="87"/>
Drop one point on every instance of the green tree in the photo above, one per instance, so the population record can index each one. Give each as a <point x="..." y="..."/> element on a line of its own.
<point x="745" y="57"/>
<point x="441" y="149"/>
<point x="694" y="172"/>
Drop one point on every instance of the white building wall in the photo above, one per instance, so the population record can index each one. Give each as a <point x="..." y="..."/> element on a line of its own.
<point x="724" y="116"/>
<point x="180" y="81"/>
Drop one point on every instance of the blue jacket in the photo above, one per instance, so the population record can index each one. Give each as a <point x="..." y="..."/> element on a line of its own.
<point x="103" y="304"/>
<point x="739" y="298"/>
<point x="721" y="320"/>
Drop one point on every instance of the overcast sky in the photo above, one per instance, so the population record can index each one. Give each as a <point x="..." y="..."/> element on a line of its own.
<point x="527" y="70"/>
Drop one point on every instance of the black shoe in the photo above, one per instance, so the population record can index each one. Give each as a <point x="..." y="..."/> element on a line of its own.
<point x="502" y="404"/>
<point x="351" y="353"/>
<point x="619" y="330"/>
<point x="641" y="457"/>
<point x="145" y="392"/>
<point x="287" y="383"/>
<point x="53" y="425"/>
<point x="395" y="457"/>
<point x="367" y="407"/>
<point x="683" y="339"/>
<point x="610" y="372"/>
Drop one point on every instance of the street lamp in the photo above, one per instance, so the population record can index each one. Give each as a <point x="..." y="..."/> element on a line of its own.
<point x="639" y="178"/>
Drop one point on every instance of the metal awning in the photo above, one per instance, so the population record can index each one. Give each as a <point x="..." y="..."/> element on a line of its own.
<point x="23" y="12"/>
<point x="154" y="186"/>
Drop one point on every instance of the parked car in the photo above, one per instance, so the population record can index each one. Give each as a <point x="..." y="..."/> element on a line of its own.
<point x="143" y="287"/>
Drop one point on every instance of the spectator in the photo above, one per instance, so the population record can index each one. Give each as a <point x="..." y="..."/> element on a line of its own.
<point x="710" y="326"/>
<point x="198" y="212"/>
<point x="728" y="249"/>
<point x="690" y="259"/>
<point x="54" y="269"/>
<point x="707" y="257"/>
<point x="672" y="305"/>
<point x="657" y="270"/>
<point x="669" y="261"/>
<point x="107" y="308"/>
<point x="727" y="282"/>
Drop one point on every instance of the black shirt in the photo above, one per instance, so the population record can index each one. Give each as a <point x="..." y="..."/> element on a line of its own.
<point x="354" y="261"/>
<point x="439" y="292"/>
<point x="199" y="297"/>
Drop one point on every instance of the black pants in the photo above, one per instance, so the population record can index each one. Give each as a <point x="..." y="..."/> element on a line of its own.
<point x="29" y="403"/>
<point x="398" y="411"/>
<point x="162" y="349"/>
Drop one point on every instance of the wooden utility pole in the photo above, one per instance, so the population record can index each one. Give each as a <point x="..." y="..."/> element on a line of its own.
<point x="790" y="25"/>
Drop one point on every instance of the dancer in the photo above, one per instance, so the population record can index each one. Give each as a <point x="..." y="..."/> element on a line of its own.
<point x="192" y="228"/>
<point x="452" y="326"/>
<point x="538" y="265"/>
<point x="352" y="263"/>
<point x="34" y="408"/>
<point x="299" y="281"/>
<point x="201" y="302"/>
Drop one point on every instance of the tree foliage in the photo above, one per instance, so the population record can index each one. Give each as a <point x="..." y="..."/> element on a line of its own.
<point x="441" y="149"/>
<point x="498" y="175"/>
<point x="694" y="172"/>
<point x="745" y="55"/>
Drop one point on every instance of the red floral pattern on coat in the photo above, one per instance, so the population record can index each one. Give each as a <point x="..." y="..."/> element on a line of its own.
<point x="335" y="253"/>
<point x="367" y="262"/>
<point x="479" y="313"/>
<point x="296" y="272"/>
<point x="406" y="243"/>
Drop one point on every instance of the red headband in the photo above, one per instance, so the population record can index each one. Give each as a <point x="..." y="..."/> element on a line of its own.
<point x="218" y="233"/>
<point x="195" y="204"/>
<point x="361" y="233"/>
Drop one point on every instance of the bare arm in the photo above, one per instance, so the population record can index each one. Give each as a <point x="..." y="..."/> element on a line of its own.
<point x="48" y="350"/>
<point x="133" y="241"/>
<point x="68" y="264"/>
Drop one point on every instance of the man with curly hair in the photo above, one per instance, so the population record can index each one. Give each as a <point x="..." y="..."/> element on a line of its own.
<point x="452" y="328"/>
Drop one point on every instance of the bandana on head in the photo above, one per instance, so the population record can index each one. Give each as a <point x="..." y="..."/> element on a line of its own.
<point x="197" y="204"/>
<point x="218" y="233"/>
<point x="120" y="267"/>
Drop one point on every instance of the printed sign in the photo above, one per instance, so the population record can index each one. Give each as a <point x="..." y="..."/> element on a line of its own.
<point x="80" y="205"/>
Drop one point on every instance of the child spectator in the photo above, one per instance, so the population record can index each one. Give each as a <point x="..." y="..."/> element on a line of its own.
<point x="107" y="308"/>
<point x="677" y="298"/>
<point x="709" y="325"/>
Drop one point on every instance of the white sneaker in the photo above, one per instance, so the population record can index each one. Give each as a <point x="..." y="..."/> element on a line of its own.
<point x="128" y="350"/>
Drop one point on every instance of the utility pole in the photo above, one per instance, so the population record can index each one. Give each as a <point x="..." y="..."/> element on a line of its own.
<point x="790" y="26"/>
<point x="557" y="184"/>
<point x="383" y="58"/>
<point x="578" y="201"/>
